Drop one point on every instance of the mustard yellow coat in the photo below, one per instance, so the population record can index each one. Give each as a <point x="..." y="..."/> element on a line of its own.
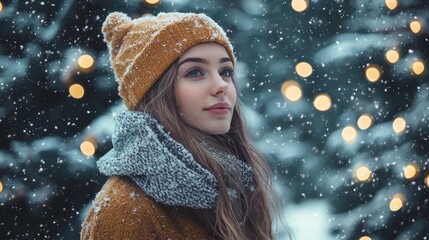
<point x="123" y="211"/>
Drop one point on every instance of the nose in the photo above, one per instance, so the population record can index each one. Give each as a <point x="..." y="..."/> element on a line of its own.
<point x="220" y="86"/>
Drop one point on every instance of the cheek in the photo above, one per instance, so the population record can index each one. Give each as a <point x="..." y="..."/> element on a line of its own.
<point x="186" y="98"/>
<point x="233" y="94"/>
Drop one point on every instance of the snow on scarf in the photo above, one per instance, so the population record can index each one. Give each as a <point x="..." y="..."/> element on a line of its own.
<point x="161" y="166"/>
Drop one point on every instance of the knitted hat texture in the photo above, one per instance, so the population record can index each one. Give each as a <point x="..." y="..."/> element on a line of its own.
<point x="143" y="48"/>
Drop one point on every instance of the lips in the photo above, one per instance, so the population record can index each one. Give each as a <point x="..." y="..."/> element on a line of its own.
<point x="221" y="108"/>
<point x="221" y="105"/>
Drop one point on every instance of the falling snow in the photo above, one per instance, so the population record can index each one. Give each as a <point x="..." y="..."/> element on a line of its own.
<point x="370" y="181"/>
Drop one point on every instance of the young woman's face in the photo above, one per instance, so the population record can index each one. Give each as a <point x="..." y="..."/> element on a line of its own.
<point x="205" y="93"/>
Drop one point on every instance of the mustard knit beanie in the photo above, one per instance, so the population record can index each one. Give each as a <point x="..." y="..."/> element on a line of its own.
<point x="142" y="49"/>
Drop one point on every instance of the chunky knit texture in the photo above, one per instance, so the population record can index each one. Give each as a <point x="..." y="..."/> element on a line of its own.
<point x="142" y="49"/>
<point x="162" y="167"/>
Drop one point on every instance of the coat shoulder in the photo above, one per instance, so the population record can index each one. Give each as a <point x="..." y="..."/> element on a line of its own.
<point x="121" y="210"/>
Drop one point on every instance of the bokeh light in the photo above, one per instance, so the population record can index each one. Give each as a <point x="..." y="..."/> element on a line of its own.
<point x="363" y="174"/>
<point x="349" y="134"/>
<point x="299" y="5"/>
<point x="87" y="148"/>
<point x="85" y="61"/>
<point x="399" y="125"/>
<point x="391" y="4"/>
<point x="411" y="171"/>
<point x="392" y="56"/>
<point x="322" y="102"/>
<point x="396" y="203"/>
<point x="418" y="67"/>
<point x="304" y="69"/>
<point x="364" y="238"/>
<point x="1" y="7"/>
<point x="291" y="90"/>
<point x="415" y="26"/>
<point x="365" y="121"/>
<point x="76" y="91"/>
<point x="1" y="186"/>
<point x="152" y="2"/>
<point x="373" y="73"/>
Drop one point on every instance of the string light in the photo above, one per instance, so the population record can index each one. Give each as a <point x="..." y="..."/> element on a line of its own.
<point x="411" y="171"/>
<point x="373" y="73"/>
<point x="399" y="125"/>
<point x="363" y="174"/>
<point x="364" y="121"/>
<point x="392" y="56"/>
<point x="85" y="62"/>
<point x="349" y="134"/>
<point x="87" y="148"/>
<point x="391" y="4"/>
<point x="397" y="202"/>
<point x="418" y="67"/>
<point x="76" y="91"/>
<point x="364" y="238"/>
<point x="304" y="69"/>
<point x="291" y="90"/>
<point x="322" y="102"/>
<point x="299" y="5"/>
<point x="415" y="26"/>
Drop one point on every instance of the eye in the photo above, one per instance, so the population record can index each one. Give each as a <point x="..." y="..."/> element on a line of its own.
<point x="194" y="73"/>
<point x="227" y="72"/>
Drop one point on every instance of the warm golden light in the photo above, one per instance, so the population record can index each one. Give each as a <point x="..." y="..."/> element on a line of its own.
<point x="363" y="174"/>
<point x="415" y="26"/>
<point x="365" y="238"/>
<point x="87" y="148"/>
<point x="1" y="184"/>
<point x="411" y="171"/>
<point x="391" y="4"/>
<point x="1" y="7"/>
<point x="152" y="1"/>
<point x="322" y="102"/>
<point x="293" y="93"/>
<point x="349" y="134"/>
<point x="418" y="67"/>
<point x="85" y="61"/>
<point x="397" y="202"/>
<point x="364" y="121"/>
<point x="291" y="90"/>
<point x="76" y="91"/>
<point x="399" y="125"/>
<point x="392" y="56"/>
<point x="304" y="69"/>
<point x="299" y="5"/>
<point x="373" y="73"/>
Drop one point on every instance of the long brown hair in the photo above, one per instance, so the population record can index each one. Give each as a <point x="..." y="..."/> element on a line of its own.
<point x="251" y="216"/>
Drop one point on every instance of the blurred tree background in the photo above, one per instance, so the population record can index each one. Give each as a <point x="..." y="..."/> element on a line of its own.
<point x="336" y="96"/>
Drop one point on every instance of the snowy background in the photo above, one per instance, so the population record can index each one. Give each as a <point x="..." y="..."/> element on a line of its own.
<point x="336" y="95"/>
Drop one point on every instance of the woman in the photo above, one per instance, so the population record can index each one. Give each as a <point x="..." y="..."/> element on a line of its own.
<point x="181" y="166"/>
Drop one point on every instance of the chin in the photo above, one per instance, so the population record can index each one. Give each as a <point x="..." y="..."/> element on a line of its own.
<point x="218" y="131"/>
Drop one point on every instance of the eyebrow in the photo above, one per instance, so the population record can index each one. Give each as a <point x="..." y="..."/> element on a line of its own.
<point x="202" y="60"/>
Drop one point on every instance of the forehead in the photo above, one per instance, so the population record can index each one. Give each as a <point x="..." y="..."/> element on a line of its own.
<point x="206" y="50"/>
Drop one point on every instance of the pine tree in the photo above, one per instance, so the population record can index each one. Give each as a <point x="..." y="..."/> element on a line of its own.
<point x="45" y="178"/>
<point x="363" y="148"/>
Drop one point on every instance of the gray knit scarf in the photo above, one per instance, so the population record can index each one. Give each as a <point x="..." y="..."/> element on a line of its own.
<point x="161" y="166"/>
